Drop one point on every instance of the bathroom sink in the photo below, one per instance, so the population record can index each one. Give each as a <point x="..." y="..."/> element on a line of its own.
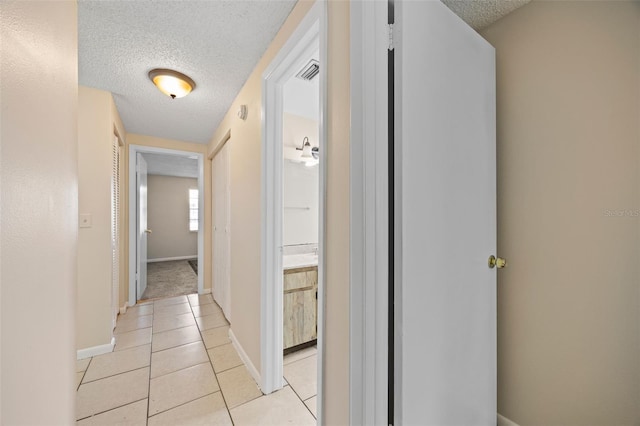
<point x="299" y="260"/>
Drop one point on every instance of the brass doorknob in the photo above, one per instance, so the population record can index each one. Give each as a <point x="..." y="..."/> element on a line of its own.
<point x="148" y="231"/>
<point x="497" y="262"/>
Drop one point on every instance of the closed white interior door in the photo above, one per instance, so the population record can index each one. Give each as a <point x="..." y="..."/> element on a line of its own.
<point x="221" y="230"/>
<point x="141" y="264"/>
<point x="445" y="318"/>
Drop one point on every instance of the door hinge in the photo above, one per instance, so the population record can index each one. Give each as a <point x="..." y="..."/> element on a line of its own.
<point x="390" y="33"/>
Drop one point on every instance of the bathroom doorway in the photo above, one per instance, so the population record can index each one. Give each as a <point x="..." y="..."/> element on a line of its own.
<point x="300" y="228"/>
<point x="293" y="214"/>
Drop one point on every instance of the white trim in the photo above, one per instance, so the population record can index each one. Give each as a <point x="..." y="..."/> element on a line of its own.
<point x="245" y="358"/>
<point x="133" y="238"/>
<point x="96" y="350"/>
<point x="369" y="201"/>
<point x="503" y="421"/>
<point x="123" y="309"/>
<point x="321" y="5"/>
<point x="304" y="40"/>
<point x="167" y="259"/>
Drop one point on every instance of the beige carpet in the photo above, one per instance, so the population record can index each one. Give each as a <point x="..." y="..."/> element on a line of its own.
<point x="173" y="278"/>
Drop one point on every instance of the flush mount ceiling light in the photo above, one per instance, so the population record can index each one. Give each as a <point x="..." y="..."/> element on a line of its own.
<point x="172" y="83"/>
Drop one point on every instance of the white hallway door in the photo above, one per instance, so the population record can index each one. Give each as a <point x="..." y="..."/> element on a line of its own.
<point x="142" y="231"/>
<point x="221" y="257"/>
<point x="445" y="318"/>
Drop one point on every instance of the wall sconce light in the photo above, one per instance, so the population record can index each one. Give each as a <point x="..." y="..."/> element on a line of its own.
<point x="172" y="83"/>
<point x="306" y="148"/>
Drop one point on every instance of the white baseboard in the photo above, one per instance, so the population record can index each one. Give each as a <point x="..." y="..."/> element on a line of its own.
<point x="166" y="259"/>
<point x="123" y="310"/>
<point x="503" y="421"/>
<point x="245" y="358"/>
<point x="96" y="350"/>
<point x="206" y="291"/>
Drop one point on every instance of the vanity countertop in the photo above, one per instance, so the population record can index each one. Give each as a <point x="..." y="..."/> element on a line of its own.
<point x="293" y="261"/>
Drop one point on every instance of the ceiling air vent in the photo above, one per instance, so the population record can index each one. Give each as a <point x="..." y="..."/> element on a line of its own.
<point x="309" y="71"/>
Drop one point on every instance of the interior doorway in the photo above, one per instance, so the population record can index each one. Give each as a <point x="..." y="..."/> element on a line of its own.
<point x="166" y="236"/>
<point x="293" y="146"/>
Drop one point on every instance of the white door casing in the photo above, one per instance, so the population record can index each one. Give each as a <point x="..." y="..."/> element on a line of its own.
<point x="133" y="232"/>
<point x="221" y="255"/>
<point x="445" y="210"/>
<point x="141" y="261"/>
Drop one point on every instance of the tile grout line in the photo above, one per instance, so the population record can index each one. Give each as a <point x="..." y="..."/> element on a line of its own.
<point x="146" y="420"/>
<point x="118" y="374"/>
<point x="175" y="371"/>
<point x="183" y="404"/>
<point x="110" y="409"/>
<point x="302" y="400"/>
<point x="226" y="406"/>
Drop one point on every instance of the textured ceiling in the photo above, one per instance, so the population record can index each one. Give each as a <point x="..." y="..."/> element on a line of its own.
<point x="480" y="14"/>
<point x="216" y="43"/>
<point x="171" y="165"/>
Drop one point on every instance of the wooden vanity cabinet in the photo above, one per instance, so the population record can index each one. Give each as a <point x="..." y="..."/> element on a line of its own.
<point x="300" y="306"/>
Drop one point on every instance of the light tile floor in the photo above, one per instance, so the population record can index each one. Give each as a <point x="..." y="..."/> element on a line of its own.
<point x="173" y="364"/>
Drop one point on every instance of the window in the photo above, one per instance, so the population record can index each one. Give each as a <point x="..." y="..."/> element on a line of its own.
<point x="193" y="210"/>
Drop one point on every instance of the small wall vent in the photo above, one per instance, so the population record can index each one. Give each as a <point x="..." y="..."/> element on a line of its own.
<point x="309" y="71"/>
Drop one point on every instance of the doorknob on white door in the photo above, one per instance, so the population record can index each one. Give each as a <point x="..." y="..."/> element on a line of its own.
<point x="148" y="231"/>
<point x="497" y="262"/>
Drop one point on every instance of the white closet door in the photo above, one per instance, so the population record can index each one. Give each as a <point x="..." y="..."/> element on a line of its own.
<point x="141" y="265"/>
<point x="221" y="230"/>
<point x="445" y="320"/>
<point x="115" y="229"/>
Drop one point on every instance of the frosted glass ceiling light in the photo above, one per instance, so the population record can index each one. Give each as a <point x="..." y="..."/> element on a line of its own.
<point x="172" y="83"/>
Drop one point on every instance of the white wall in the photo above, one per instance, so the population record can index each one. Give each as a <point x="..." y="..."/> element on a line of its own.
<point x="302" y="97"/>
<point x="568" y="97"/>
<point x="300" y="183"/>
<point x="168" y="217"/>
<point x="38" y="175"/>
<point x="301" y="203"/>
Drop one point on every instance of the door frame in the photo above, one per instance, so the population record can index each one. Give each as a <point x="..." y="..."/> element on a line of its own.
<point x="369" y="224"/>
<point x="311" y="32"/>
<point x="133" y="204"/>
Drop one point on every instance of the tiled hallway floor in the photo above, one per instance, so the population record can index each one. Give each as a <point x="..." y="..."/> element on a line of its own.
<point x="174" y="364"/>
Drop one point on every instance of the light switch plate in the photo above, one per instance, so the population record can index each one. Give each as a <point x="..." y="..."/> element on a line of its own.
<point x="85" y="220"/>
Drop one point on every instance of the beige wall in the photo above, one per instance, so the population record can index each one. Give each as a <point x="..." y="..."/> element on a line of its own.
<point x="245" y="207"/>
<point x="336" y="368"/>
<point x="245" y="185"/>
<point x="135" y="139"/>
<point x="98" y="123"/>
<point x="568" y="152"/>
<point x="168" y="217"/>
<point x="38" y="175"/>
